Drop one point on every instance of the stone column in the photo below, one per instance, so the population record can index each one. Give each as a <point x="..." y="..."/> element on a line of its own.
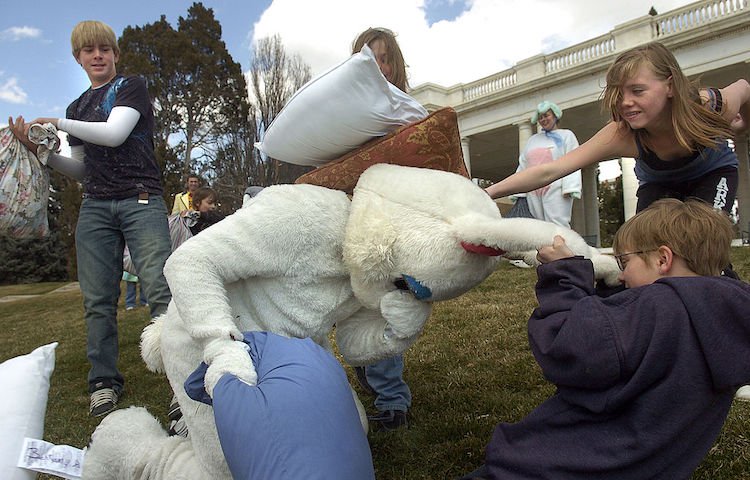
<point x="743" y="187"/>
<point x="629" y="186"/>
<point x="578" y="218"/>
<point x="524" y="132"/>
<point x="590" y="182"/>
<point x="466" y="151"/>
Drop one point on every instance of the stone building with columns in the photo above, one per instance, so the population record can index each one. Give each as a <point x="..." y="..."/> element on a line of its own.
<point x="709" y="38"/>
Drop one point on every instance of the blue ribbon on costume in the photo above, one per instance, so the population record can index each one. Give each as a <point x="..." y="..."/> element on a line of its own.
<point x="420" y="291"/>
<point x="555" y="137"/>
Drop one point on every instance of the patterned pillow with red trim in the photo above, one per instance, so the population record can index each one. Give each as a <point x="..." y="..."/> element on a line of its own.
<point x="433" y="143"/>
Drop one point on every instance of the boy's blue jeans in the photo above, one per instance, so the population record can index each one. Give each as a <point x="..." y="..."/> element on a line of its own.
<point x="130" y="295"/>
<point x="386" y="378"/>
<point x="104" y="226"/>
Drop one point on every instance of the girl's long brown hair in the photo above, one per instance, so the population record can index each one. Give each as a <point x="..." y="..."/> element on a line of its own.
<point x="395" y="57"/>
<point x="694" y="125"/>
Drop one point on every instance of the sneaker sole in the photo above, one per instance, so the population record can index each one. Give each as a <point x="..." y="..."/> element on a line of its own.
<point x="101" y="414"/>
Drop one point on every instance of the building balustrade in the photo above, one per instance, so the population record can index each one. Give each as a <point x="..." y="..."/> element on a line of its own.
<point x="695" y="15"/>
<point x="623" y="37"/>
<point x="710" y="39"/>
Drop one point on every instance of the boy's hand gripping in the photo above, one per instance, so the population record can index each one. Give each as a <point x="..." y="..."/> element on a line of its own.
<point x="556" y="251"/>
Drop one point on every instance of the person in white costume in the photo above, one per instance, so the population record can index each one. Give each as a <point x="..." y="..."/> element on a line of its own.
<point x="297" y="261"/>
<point x="554" y="202"/>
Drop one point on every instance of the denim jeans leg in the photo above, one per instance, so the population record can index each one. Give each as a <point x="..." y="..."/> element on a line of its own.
<point x="144" y="299"/>
<point x="99" y="246"/>
<point x="147" y="234"/>
<point x="386" y="378"/>
<point x="130" y="294"/>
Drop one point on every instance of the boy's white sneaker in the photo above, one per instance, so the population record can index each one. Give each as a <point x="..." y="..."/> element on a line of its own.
<point x="743" y="393"/>
<point x="519" y="264"/>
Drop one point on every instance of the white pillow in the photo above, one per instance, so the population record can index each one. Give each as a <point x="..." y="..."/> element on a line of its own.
<point x="23" y="403"/>
<point x="337" y="112"/>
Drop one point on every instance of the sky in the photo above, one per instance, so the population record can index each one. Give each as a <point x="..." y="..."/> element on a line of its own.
<point x="444" y="41"/>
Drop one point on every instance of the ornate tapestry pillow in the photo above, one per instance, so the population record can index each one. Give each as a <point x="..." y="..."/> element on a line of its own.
<point x="433" y="142"/>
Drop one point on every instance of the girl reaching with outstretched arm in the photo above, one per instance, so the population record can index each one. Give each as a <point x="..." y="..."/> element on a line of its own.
<point x="676" y="132"/>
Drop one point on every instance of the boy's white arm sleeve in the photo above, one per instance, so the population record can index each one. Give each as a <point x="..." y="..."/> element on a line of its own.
<point x="112" y="133"/>
<point x="70" y="166"/>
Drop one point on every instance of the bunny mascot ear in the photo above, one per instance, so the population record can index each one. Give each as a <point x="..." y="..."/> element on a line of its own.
<point x="520" y="238"/>
<point x="515" y="236"/>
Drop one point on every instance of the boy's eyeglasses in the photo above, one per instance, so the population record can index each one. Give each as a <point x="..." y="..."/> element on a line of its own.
<point x="618" y="258"/>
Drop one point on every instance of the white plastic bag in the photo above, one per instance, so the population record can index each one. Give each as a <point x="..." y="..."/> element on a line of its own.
<point x="179" y="231"/>
<point x="24" y="189"/>
<point x="179" y="227"/>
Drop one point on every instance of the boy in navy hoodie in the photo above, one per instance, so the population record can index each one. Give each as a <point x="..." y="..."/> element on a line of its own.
<point x="645" y="377"/>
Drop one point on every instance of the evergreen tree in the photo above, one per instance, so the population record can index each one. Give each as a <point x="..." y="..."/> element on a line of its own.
<point x="66" y="194"/>
<point x="237" y="165"/>
<point x="198" y="90"/>
<point x="214" y="95"/>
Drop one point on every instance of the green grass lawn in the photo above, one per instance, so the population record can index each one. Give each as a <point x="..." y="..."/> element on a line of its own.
<point x="471" y="369"/>
<point x="29" y="288"/>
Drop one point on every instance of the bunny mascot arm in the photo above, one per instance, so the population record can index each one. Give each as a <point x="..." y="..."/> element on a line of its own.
<point x="273" y="266"/>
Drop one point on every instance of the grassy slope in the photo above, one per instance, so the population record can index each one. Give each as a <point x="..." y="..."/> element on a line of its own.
<point x="471" y="369"/>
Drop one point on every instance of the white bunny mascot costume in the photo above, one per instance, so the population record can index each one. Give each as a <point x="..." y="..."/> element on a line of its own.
<point x="297" y="261"/>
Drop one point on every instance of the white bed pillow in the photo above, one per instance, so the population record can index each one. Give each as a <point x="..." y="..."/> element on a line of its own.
<point x="25" y="384"/>
<point x="338" y="111"/>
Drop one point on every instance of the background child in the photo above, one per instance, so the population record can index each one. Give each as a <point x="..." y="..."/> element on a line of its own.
<point x="205" y="200"/>
<point x="664" y="122"/>
<point x="385" y="379"/>
<point x="645" y="377"/>
<point x="206" y="203"/>
<point x="131" y="291"/>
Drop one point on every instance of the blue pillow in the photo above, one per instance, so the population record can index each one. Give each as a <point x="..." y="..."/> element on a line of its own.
<point x="299" y="421"/>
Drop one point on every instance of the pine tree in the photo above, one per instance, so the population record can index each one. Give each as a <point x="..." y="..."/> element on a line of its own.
<point x="196" y="87"/>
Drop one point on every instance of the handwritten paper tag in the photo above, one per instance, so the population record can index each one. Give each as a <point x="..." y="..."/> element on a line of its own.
<point x="60" y="460"/>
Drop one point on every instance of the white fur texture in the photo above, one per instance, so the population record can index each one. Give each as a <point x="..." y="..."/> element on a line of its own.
<point x="404" y="221"/>
<point x="227" y="356"/>
<point x="522" y="237"/>
<point x="404" y="314"/>
<point x="150" y="453"/>
<point x="151" y="345"/>
<point x="300" y="259"/>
